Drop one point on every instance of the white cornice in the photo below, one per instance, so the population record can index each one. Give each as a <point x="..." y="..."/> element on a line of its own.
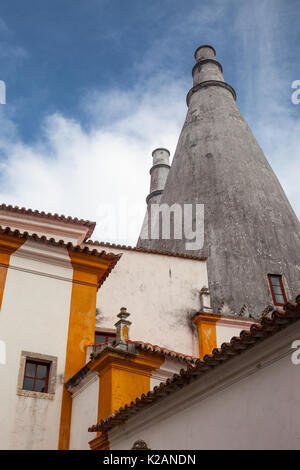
<point x="235" y="322"/>
<point x="47" y="254"/>
<point x="85" y="383"/>
<point x="51" y="228"/>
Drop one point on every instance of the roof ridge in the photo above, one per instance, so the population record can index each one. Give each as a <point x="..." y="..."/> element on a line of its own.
<point x="145" y="250"/>
<point x="69" y="245"/>
<point x="165" y="351"/>
<point x="48" y="215"/>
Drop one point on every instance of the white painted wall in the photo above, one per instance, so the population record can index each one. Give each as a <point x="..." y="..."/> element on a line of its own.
<point x="227" y="328"/>
<point x="168" y="368"/>
<point x="238" y="405"/>
<point x="160" y="292"/>
<point x="84" y="414"/>
<point x="34" y="317"/>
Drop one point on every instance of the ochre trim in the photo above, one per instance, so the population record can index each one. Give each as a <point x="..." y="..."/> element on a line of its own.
<point x="100" y="443"/>
<point x="122" y="378"/>
<point x="207" y="332"/>
<point x="87" y="273"/>
<point x="8" y="245"/>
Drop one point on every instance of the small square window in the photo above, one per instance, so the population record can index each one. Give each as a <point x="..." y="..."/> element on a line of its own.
<point x="277" y="289"/>
<point x="37" y="375"/>
<point x="103" y="337"/>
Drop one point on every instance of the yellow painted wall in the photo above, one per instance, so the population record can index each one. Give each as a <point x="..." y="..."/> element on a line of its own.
<point x="87" y="270"/>
<point x="122" y="380"/>
<point x="207" y="332"/>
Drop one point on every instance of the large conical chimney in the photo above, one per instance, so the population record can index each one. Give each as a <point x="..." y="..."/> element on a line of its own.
<point x="251" y="231"/>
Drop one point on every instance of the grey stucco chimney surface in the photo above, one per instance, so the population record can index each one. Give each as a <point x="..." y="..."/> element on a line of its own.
<point x="250" y="229"/>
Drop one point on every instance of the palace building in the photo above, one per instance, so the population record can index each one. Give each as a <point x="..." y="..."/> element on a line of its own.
<point x="105" y="346"/>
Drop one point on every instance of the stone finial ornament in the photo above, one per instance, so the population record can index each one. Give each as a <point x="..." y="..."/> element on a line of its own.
<point x="122" y="327"/>
<point x="205" y="300"/>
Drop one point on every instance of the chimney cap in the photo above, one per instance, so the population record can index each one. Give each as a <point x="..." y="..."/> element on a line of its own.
<point x="160" y="148"/>
<point x="204" y="45"/>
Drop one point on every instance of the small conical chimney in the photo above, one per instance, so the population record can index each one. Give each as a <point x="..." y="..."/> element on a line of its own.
<point x="159" y="173"/>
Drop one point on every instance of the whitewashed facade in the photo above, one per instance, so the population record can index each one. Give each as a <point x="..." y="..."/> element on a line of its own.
<point x="249" y="402"/>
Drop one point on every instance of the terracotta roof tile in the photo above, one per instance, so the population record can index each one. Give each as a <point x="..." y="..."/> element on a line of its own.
<point x="258" y="332"/>
<point x="164" y="352"/>
<point x="77" y="248"/>
<point x="101" y="348"/>
<point x="48" y="215"/>
<point x="144" y="250"/>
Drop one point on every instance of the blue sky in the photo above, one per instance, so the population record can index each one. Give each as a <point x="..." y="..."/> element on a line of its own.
<point x="94" y="86"/>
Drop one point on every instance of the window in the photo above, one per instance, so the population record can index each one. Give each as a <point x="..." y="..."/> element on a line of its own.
<point x="103" y="337"/>
<point x="36" y="376"/>
<point x="277" y="289"/>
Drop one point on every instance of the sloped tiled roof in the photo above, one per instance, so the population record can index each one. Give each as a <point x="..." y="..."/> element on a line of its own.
<point x="154" y="349"/>
<point x="110" y="346"/>
<point x="258" y="332"/>
<point x="76" y="248"/>
<point x="43" y="215"/>
<point x="145" y="250"/>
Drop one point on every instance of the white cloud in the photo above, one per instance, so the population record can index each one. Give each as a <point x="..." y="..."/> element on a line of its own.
<point x="104" y="165"/>
<point x="81" y="171"/>
<point x="266" y="86"/>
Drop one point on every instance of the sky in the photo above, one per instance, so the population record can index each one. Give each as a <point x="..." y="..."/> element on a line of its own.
<point x="92" y="87"/>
